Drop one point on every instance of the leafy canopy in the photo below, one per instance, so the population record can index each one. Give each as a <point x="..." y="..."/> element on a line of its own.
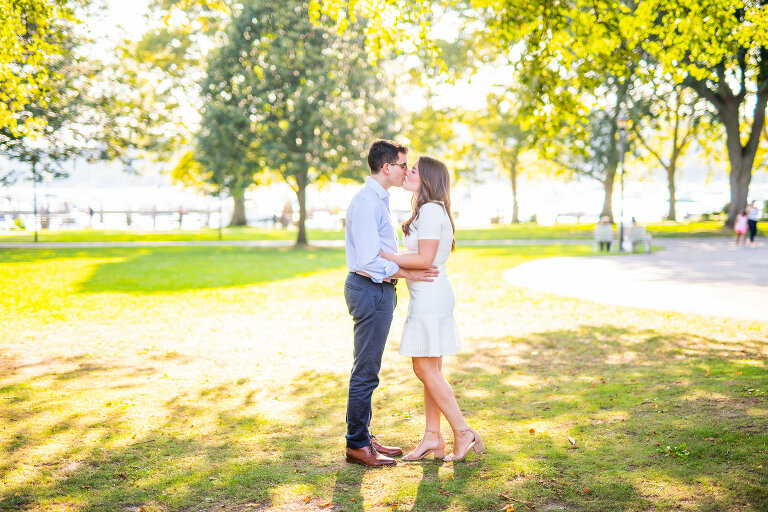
<point x="32" y="32"/>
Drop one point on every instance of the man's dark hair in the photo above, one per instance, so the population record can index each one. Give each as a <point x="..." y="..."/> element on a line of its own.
<point x="383" y="151"/>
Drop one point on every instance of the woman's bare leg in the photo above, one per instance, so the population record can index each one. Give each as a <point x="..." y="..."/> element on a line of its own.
<point x="431" y="410"/>
<point x="429" y="371"/>
<point x="433" y="439"/>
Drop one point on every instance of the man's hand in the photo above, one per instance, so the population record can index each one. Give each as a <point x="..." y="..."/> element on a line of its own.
<point x="419" y="275"/>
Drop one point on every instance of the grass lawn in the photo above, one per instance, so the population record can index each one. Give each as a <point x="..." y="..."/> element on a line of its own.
<point x="525" y="231"/>
<point x="214" y="379"/>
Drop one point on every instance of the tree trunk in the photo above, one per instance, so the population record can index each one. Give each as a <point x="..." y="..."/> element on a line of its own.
<point x="301" y="194"/>
<point x="740" y="157"/>
<point x="513" y="179"/>
<point x="671" y="187"/>
<point x="741" y="175"/>
<point x="610" y="177"/>
<point x="741" y="160"/>
<point x="238" y="215"/>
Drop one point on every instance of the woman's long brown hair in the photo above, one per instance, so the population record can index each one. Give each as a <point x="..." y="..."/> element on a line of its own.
<point x="435" y="188"/>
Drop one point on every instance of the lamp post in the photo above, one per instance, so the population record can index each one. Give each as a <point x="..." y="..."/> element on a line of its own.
<point x="221" y="214"/>
<point x="623" y="124"/>
<point x="34" y="198"/>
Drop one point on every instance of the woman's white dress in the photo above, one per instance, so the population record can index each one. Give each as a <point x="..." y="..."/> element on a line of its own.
<point x="430" y="329"/>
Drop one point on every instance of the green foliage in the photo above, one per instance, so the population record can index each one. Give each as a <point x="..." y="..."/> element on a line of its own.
<point x="563" y="52"/>
<point x="152" y="99"/>
<point x="63" y="124"/>
<point x="443" y="133"/>
<point x="679" y="452"/>
<point x="32" y="33"/>
<point x="289" y="97"/>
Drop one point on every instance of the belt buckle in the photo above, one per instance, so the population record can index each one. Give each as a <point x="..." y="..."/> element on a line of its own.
<point x="393" y="281"/>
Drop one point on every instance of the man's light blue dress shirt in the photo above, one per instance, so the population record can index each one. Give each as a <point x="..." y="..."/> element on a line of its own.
<point x="370" y="230"/>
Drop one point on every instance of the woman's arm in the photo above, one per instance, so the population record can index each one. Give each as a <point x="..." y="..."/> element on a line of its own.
<point x="415" y="260"/>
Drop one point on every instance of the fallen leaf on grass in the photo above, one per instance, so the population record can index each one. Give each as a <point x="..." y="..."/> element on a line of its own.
<point x="325" y="505"/>
<point x="306" y="500"/>
<point x="532" y="430"/>
<point x="572" y="441"/>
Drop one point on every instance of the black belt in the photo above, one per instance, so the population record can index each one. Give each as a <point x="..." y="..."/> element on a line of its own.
<point x="388" y="280"/>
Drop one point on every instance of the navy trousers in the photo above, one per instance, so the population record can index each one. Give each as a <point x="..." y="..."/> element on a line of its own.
<point x="752" y="229"/>
<point x="371" y="306"/>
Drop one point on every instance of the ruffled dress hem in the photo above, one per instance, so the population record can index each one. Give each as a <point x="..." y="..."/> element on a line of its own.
<point x="430" y="336"/>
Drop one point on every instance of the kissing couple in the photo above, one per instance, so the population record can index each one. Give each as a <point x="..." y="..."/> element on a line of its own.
<point x="375" y="267"/>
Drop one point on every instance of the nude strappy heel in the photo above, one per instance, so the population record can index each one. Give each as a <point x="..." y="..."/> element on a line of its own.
<point x="439" y="451"/>
<point x="476" y="444"/>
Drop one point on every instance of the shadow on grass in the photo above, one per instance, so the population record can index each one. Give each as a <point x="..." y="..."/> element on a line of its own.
<point x="164" y="269"/>
<point x="617" y="391"/>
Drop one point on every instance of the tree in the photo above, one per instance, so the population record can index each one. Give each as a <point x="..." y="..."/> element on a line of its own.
<point x="574" y="97"/>
<point x="152" y="100"/>
<point x="679" y="118"/>
<point x="31" y="34"/>
<point x="58" y="128"/>
<point x="502" y="136"/>
<point x="444" y="134"/>
<point x="724" y="59"/>
<point x="55" y="129"/>
<point x="289" y="97"/>
<point x="717" y="48"/>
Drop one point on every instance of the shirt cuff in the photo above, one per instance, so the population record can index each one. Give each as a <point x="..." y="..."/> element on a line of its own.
<point x="390" y="269"/>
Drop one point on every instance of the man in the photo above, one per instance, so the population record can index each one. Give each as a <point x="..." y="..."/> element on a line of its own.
<point x="753" y="215"/>
<point x="370" y="294"/>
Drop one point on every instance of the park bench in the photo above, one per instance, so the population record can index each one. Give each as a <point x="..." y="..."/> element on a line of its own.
<point x="639" y="237"/>
<point x="603" y="233"/>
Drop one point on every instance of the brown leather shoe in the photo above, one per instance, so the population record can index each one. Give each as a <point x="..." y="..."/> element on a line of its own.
<point x="367" y="456"/>
<point x="389" y="451"/>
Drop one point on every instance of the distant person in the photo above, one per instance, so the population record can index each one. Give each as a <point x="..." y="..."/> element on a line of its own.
<point x="604" y="234"/>
<point x="639" y="237"/>
<point x="740" y="226"/>
<point x="370" y="294"/>
<point x="753" y="213"/>
<point x="287" y="215"/>
<point x="430" y="329"/>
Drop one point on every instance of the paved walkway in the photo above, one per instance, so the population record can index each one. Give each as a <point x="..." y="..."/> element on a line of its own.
<point x="710" y="277"/>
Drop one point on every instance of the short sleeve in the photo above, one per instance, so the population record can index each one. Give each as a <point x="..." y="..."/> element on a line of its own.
<point x="430" y="221"/>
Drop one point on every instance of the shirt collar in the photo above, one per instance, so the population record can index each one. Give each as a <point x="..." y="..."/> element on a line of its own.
<point x="376" y="186"/>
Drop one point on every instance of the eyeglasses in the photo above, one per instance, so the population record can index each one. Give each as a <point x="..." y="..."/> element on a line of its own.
<point x="403" y="165"/>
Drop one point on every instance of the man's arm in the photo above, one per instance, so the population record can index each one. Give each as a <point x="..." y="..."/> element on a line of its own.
<point x="364" y="232"/>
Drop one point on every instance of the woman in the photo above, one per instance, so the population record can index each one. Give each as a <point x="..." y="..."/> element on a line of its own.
<point x="430" y="331"/>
